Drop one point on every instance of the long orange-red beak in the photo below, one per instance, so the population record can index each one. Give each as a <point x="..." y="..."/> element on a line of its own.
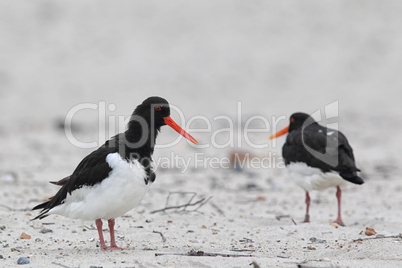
<point x="280" y="133"/>
<point x="169" y="121"/>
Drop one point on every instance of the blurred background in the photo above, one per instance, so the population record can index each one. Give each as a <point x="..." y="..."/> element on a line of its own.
<point x="274" y="57"/>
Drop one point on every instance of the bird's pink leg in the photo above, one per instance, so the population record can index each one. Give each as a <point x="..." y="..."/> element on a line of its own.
<point x="307" y="217"/>
<point x="339" y="196"/>
<point x="113" y="245"/>
<point x="98" y="223"/>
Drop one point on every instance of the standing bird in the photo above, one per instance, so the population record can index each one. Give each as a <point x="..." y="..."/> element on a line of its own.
<point x="317" y="158"/>
<point x="113" y="179"/>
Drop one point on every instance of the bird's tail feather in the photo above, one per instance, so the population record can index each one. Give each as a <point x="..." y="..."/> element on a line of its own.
<point x="44" y="211"/>
<point x="41" y="215"/>
<point x="41" y="206"/>
<point x="352" y="178"/>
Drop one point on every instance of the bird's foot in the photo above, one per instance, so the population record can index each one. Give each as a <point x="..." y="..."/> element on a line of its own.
<point x="339" y="221"/>
<point x="306" y="219"/>
<point x="116" y="248"/>
<point x="112" y="248"/>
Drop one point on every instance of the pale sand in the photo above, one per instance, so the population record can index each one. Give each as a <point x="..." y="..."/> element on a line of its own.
<point x="375" y="204"/>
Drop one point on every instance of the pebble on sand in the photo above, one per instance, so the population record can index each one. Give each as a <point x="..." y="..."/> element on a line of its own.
<point x="370" y="231"/>
<point x="25" y="236"/>
<point x="23" y="260"/>
<point x="45" y="230"/>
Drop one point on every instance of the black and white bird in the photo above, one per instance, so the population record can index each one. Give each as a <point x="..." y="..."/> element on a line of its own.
<point x="113" y="179"/>
<point x="317" y="158"/>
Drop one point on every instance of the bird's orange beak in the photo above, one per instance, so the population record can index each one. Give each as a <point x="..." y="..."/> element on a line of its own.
<point x="280" y="133"/>
<point x="169" y="121"/>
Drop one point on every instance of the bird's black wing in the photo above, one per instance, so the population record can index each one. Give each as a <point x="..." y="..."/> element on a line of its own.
<point x="300" y="145"/>
<point x="323" y="148"/>
<point x="61" y="182"/>
<point x="90" y="171"/>
<point x="346" y="161"/>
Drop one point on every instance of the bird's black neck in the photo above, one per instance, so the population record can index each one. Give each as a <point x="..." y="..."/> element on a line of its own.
<point x="139" y="140"/>
<point x="137" y="143"/>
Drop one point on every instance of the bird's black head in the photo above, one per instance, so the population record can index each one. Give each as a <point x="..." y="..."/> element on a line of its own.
<point x="297" y="120"/>
<point x="153" y="110"/>
<point x="149" y="117"/>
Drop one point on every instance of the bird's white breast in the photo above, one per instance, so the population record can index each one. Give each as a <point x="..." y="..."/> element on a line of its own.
<point x="310" y="178"/>
<point x="120" y="192"/>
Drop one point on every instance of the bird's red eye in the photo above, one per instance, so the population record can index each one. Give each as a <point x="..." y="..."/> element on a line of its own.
<point x="292" y="120"/>
<point x="158" y="108"/>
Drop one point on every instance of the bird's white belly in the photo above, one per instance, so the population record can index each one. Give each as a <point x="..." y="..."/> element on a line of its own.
<point x="310" y="178"/>
<point x="112" y="198"/>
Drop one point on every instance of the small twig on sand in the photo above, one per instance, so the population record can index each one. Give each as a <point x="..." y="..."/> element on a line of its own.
<point x="242" y="250"/>
<point x="302" y="264"/>
<point x="62" y="265"/>
<point x="279" y="217"/>
<point x="378" y="237"/>
<point x="193" y="194"/>
<point x="246" y="240"/>
<point x="90" y="228"/>
<point x="189" y="201"/>
<point x="200" y="203"/>
<point x="203" y="203"/>
<point x="200" y="253"/>
<point x="181" y="206"/>
<point x="14" y="209"/>
<point x="220" y="211"/>
<point x="163" y="238"/>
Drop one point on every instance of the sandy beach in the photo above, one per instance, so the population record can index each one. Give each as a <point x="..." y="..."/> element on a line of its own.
<point x="223" y="62"/>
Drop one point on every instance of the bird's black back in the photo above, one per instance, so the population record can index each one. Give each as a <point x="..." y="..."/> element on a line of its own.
<point x="94" y="169"/>
<point x="333" y="151"/>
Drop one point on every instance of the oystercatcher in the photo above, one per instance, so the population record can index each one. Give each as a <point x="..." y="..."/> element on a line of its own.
<point x="317" y="158"/>
<point x="113" y="179"/>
